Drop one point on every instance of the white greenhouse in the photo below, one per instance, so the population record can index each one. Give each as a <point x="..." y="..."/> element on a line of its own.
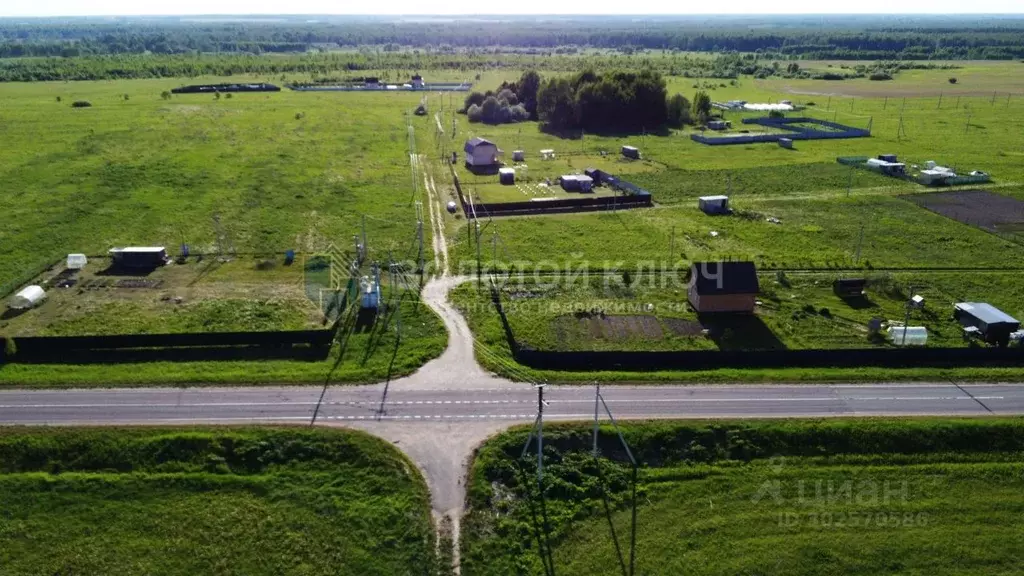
<point x="29" y="297"/>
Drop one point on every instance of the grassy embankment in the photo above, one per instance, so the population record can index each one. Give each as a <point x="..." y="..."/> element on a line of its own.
<point x="800" y="497"/>
<point x="203" y="501"/>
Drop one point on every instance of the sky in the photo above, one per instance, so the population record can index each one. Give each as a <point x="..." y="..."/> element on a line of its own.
<point x="419" y="7"/>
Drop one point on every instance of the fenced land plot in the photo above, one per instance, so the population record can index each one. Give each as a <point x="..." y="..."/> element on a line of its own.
<point x="244" y="294"/>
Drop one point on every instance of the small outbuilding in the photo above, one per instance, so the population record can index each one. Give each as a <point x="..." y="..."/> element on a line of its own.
<point x="890" y="168"/>
<point x="992" y="324"/>
<point x="729" y="287"/>
<point x="713" y="204"/>
<point x="481" y="153"/>
<point x="786" y="143"/>
<point x="718" y="125"/>
<point x="888" y="157"/>
<point x="76" y="261"/>
<point x="518" y="156"/>
<point x="596" y="174"/>
<point x="507" y="176"/>
<point x="849" y="288"/>
<point x="141" y="257"/>
<point x="631" y="152"/>
<point x="417" y="82"/>
<point x="576" y="183"/>
<point x="28" y="297"/>
<point x="547" y="154"/>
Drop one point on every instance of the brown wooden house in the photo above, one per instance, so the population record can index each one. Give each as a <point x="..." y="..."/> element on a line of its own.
<point x="729" y="287"/>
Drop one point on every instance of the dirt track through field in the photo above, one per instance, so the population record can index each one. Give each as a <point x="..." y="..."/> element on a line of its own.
<point x="436" y="223"/>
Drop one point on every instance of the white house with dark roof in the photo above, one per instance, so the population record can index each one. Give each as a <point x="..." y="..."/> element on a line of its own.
<point x="481" y="153"/>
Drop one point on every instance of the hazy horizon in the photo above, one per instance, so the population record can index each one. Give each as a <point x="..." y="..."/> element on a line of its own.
<point x="470" y="8"/>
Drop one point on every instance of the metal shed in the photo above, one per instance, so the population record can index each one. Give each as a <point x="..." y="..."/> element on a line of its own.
<point x="631" y="152"/>
<point x="713" y="204"/>
<point x="993" y="325"/>
<point x="139" y="256"/>
<point x="576" y="183"/>
<point x="507" y="176"/>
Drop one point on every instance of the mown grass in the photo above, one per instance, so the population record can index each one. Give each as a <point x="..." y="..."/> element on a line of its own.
<point x="797" y="497"/>
<point x="202" y="501"/>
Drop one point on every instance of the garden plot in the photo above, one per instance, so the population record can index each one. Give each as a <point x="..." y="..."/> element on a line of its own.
<point x="207" y="295"/>
<point x="979" y="208"/>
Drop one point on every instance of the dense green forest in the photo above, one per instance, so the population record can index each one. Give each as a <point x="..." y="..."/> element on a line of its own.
<point x="861" y="38"/>
<point x="106" y="48"/>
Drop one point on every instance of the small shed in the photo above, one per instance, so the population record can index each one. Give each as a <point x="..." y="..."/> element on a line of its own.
<point x="730" y="287"/>
<point x="417" y="81"/>
<point x="547" y="154"/>
<point x="518" y="156"/>
<point x="886" y="166"/>
<point x="786" y="143"/>
<point x="713" y="204"/>
<point x="849" y="287"/>
<point x="76" y="261"/>
<point x="507" y="176"/>
<point x="576" y="183"/>
<point x="993" y="325"/>
<point x="28" y="297"/>
<point x="595" y="174"/>
<point x="718" y="125"/>
<point x="631" y="152"/>
<point x="141" y="257"/>
<point x="888" y="157"/>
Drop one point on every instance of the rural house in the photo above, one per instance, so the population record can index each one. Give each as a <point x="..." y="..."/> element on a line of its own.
<point x="723" y="287"/>
<point x="481" y="154"/>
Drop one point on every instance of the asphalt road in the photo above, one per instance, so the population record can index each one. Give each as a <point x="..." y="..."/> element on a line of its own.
<point x="517" y="403"/>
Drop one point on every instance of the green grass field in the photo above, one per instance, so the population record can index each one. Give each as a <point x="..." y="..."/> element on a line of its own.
<point x="201" y="501"/>
<point x="801" y="497"/>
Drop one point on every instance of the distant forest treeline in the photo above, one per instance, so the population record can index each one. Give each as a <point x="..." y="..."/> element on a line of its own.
<point x="79" y="49"/>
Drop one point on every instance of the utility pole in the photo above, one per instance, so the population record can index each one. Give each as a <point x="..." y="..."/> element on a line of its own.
<point x="957" y="102"/>
<point x="967" y="127"/>
<point x="828" y="106"/>
<point x="993" y="102"/>
<point x="366" y="250"/>
<point x="477" y="224"/>
<point x="906" y="319"/>
<point x="849" y="182"/>
<point x="886" y="103"/>
<point x="860" y="242"/>
<point x="672" y="246"/>
<point x="940" y="101"/>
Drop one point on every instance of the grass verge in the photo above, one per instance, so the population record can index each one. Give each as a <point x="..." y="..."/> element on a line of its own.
<point x="204" y="501"/>
<point x="880" y="496"/>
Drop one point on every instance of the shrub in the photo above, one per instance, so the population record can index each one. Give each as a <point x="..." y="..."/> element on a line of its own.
<point x="59" y="99"/>
<point x="165" y="95"/>
<point x="878" y="76"/>
<point x="952" y="80"/>
<point x="228" y="95"/>
<point x="10" y="348"/>
<point x="776" y="114"/>
<point x="81" y="104"/>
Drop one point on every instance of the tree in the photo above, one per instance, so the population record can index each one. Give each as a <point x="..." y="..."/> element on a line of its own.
<point x="556" y="105"/>
<point x="702" y="106"/>
<point x="473" y="99"/>
<point x="508" y="96"/>
<point x="529" y="84"/>
<point x="679" y="111"/>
